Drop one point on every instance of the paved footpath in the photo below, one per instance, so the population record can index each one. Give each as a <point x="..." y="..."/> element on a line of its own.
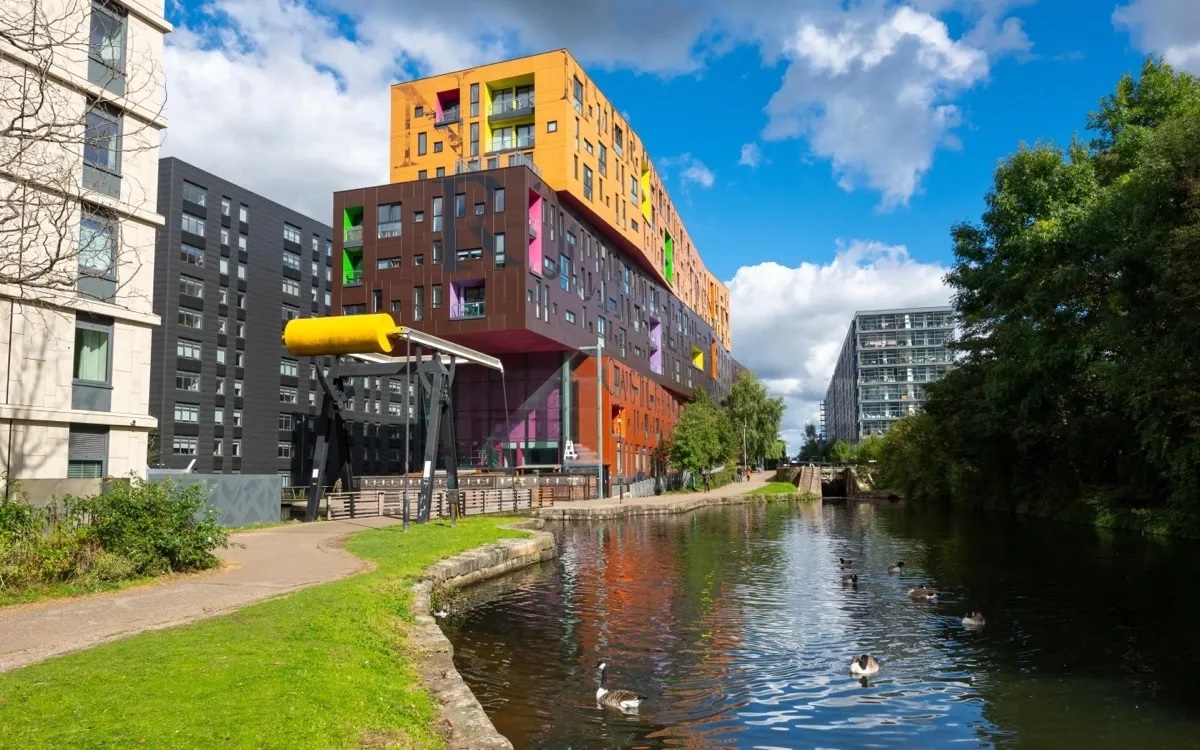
<point x="265" y="564"/>
<point x="613" y="507"/>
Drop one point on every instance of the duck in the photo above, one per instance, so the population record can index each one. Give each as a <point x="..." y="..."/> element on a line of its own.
<point x="973" y="620"/>
<point x="850" y="580"/>
<point x="923" y="593"/>
<point x="897" y="568"/>
<point x="845" y="563"/>
<point x="623" y="699"/>
<point x="861" y="666"/>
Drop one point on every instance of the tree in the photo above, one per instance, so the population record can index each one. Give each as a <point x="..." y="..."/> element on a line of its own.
<point x="749" y="407"/>
<point x="62" y="187"/>
<point x="811" y="450"/>
<point x="699" y="441"/>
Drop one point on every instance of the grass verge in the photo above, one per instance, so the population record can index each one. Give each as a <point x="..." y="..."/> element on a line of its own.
<point x="327" y="667"/>
<point x="774" y="488"/>
<point x="65" y="590"/>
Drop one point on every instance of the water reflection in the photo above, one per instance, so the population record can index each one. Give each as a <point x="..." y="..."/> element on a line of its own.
<point x="735" y="624"/>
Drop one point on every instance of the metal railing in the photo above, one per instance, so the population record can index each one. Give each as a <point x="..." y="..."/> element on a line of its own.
<point x="448" y="117"/>
<point x="468" y="310"/>
<point x="353" y="279"/>
<point x="353" y="235"/>
<point x="510" y="144"/>
<point x="519" y="105"/>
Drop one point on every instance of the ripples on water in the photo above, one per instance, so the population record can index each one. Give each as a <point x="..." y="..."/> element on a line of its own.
<point x="735" y="624"/>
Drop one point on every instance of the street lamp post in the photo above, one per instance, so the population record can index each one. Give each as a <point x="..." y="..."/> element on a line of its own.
<point x="745" y="456"/>
<point x="599" y="348"/>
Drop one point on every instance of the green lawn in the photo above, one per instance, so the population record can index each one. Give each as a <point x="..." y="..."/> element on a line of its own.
<point x="774" y="488"/>
<point x="64" y="590"/>
<point x="326" y="667"/>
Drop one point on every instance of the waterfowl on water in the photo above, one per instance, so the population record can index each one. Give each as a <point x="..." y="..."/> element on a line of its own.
<point x="844" y="562"/>
<point x="622" y="699"/>
<point x="442" y="613"/>
<point x="850" y="580"/>
<point x="923" y="593"/>
<point x="897" y="568"/>
<point x="863" y="665"/>
<point x="973" y="620"/>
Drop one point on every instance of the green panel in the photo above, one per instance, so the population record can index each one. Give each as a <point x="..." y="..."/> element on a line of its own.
<point x="352" y="217"/>
<point x="668" y="258"/>
<point x="351" y="266"/>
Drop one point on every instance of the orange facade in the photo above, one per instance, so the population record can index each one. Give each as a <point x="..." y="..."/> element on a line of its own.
<point x="544" y="110"/>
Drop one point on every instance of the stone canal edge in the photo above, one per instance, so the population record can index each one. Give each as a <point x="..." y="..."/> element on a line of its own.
<point x="464" y="724"/>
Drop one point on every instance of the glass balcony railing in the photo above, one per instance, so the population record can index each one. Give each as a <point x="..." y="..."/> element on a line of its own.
<point x="533" y="229"/>
<point x="352" y="279"/>
<point x="510" y="144"/>
<point x="468" y="310"/>
<point x="514" y="107"/>
<point x="452" y="115"/>
<point x="353" y="237"/>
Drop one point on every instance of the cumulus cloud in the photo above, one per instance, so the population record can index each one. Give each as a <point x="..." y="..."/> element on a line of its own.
<point x="691" y="170"/>
<point x="751" y="156"/>
<point x="1170" y="28"/>
<point x="789" y="322"/>
<point x="875" y="97"/>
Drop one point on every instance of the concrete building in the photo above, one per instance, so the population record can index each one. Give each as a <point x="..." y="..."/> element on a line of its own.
<point x="78" y="235"/>
<point x="886" y="359"/>
<point x="233" y="267"/>
<point x="525" y="220"/>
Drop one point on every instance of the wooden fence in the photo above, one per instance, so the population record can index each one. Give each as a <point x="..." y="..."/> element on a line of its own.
<point x="471" y="502"/>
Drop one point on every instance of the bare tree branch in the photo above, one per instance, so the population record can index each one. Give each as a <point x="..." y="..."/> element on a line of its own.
<point x="78" y="103"/>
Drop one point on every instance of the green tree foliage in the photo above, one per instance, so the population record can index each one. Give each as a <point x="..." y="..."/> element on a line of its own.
<point x="700" y="438"/>
<point x="749" y="406"/>
<point x="1079" y="297"/>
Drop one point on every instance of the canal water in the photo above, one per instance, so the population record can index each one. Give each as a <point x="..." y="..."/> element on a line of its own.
<point x="735" y="625"/>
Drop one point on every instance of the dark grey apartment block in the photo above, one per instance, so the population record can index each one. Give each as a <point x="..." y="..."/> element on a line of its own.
<point x="232" y="268"/>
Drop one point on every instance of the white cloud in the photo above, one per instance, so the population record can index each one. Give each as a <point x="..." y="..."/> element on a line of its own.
<point x="692" y="171"/>
<point x="1170" y="28"/>
<point x="875" y="97"/>
<point x="789" y="323"/>
<point x="751" y="156"/>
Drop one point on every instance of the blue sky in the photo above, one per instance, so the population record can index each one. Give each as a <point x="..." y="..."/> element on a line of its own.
<point x="877" y="123"/>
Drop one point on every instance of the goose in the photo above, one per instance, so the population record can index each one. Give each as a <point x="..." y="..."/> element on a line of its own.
<point x="897" y="568"/>
<point x="622" y="699"/>
<point x="973" y="620"/>
<point x="845" y="563"/>
<point x="861" y="666"/>
<point x="923" y="593"/>
<point x="850" y="580"/>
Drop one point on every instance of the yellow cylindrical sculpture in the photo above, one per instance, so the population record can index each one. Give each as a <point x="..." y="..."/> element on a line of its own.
<point x="345" y="334"/>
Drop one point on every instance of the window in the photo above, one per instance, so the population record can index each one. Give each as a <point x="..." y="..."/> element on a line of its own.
<point x="577" y="94"/>
<point x="193" y="224"/>
<point x="191" y="254"/>
<point x="389" y="220"/>
<point x="223" y="296"/>
<point x="460" y="205"/>
<point x="242" y="242"/>
<point x="93" y="344"/>
<point x="190" y="319"/>
<point x="241" y="272"/>
<point x="422" y="174"/>
<point x="437" y="214"/>
<point x="471" y="254"/>
<point x="187" y="349"/>
<point x="316" y="270"/>
<point x="290" y="260"/>
<point x="619" y="142"/>
<point x="183" y="446"/>
<point x="439" y="172"/>
<point x="435" y="299"/>
<point x="187" y="382"/>
<point x="102" y="138"/>
<point x="600" y="325"/>
<point x="97" y="243"/>
<point x="220" y="356"/>
<point x="552" y="126"/>
<point x="187" y="413"/>
<point x="421" y="144"/>
<point x="287" y="395"/>
<point x="587" y="182"/>
<point x="195" y="194"/>
<point x="418" y="111"/>
<point x="418" y="217"/>
<point x="418" y="303"/>
<point x="291" y="233"/>
<point x="479" y="208"/>
<point x="474" y="139"/>
<point x="474" y="100"/>
<point x="238" y="389"/>
<point x="587" y="146"/>
<point x="289" y="368"/>
<point x="235" y="448"/>
<point x="286" y="423"/>
<point x="222" y="326"/>
<point x="387" y="264"/>
<point x="106" y="42"/>
<point x="498" y="250"/>
<point x="224" y="206"/>
<point x="564" y="272"/>
<point x="602" y="160"/>
<point x="243" y="213"/>
<point x="224" y="236"/>
<point x="570" y="316"/>
<point x="437" y="145"/>
<point x="316" y="245"/>
<point x="498" y="200"/>
<point x="223" y="265"/>
<point x="419" y="259"/>
<point x="290" y="313"/>
<point x="291" y="287"/>
<point x="358" y="309"/>
<point x="241" y="301"/>
<point x="285" y="450"/>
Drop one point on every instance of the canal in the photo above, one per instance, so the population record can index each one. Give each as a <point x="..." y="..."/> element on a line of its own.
<point x="735" y="624"/>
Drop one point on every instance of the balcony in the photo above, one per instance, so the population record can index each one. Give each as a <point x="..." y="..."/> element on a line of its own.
<point x="533" y="229"/>
<point x="353" y="237"/>
<point x="511" y="144"/>
<point x="449" y="117"/>
<point x="468" y="310"/>
<point x="353" y="279"/>
<point x="511" y="108"/>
